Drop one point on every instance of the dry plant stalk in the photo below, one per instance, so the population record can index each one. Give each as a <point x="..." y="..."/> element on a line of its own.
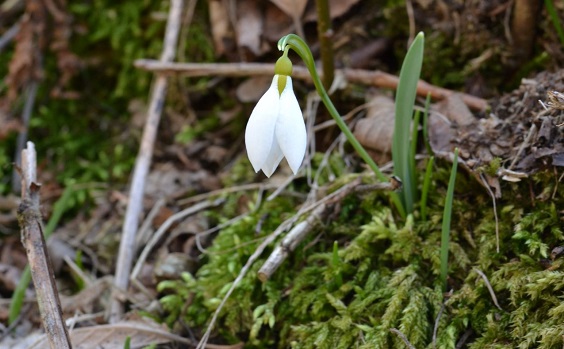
<point x="324" y="35"/>
<point x="127" y="246"/>
<point x="523" y="27"/>
<point x="367" y="77"/>
<point x="31" y="225"/>
<point x="290" y="242"/>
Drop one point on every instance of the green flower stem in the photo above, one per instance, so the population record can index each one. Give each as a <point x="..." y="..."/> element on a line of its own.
<point x="300" y="47"/>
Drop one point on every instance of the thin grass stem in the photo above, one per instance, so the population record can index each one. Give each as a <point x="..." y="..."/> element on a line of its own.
<point x="426" y="125"/>
<point x="555" y="20"/>
<point x="447" y="215"/>
<point x="426" y="187"/>
<point x="413" y="150"/>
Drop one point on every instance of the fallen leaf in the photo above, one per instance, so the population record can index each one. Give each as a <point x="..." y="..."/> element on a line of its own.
<point x="376" y="130"/>
<point x="279" y="24"/>
<point x="171" y="265"/>
<point x="337" y="8"/>
<point x="249" y="26"/>
<point x="114" y="336"/>
<point x="253" y="88"/>
<point x="9" y="276"/>
<point x="293" y="8"/>
<point x="88" y="298"/>
<point x="454" y="108"/>
<point x="166" y="180"/>
<point x="441" y="134"/>
<point x="219" y="20"/>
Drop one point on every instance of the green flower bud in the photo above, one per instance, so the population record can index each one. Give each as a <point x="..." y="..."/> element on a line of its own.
<point x="282" y="68"/>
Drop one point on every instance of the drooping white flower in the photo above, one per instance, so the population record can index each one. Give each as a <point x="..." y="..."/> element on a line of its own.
<point x="276" y="127"/>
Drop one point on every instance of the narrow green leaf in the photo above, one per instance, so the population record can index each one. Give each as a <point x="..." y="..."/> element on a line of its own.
<point x="127" y="343"/>
<point x="405" y="100"/>
<point x="413" y="151"/>
<point x="426" y="186"/>
<point x="336" y="262"/>
<point x="426" y="125"/>
<point x="555" y="20"/>
<point x="447" y="215"/>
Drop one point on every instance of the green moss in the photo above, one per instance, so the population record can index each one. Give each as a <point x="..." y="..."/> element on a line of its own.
<point x="384" y="273"/>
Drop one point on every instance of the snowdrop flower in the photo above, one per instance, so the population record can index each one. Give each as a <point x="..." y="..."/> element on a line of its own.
<point x="276" y="126"/>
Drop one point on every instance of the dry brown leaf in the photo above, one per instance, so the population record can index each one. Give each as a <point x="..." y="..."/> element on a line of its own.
<point x="279" y="24"/>
<point x="220" y="28"/>
<point x="249" y="26"/>
<point x="9" y="276"/>
<point x="114" y="336"/>
<point x="18" y="342"/>
<point x="8" y="124"/>
<point x="8" y="207"/>
<point x="376" y="130"/>
<point x="454" y="108"/>
<point x="87" y="299"/>
<point x="171" y="265"/>
<point x="293" y="8"/>
<point x="253" y="88"/>
<point x="441" y="134"/>
<point x="25" y="65"/>
<point x="166" y="180"/>
<point x="337" y="8"/>
<point x="59" y="249"/>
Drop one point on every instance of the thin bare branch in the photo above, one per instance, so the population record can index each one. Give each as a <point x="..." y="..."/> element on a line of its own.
<point x="31" y="93"/>
<point x="127" y="246"/>
<point x="9" y="35"/>
<point x="489" y="286"/>
<point x="403" y="337"/>
<point x="165" y="226"/>
<point x="31" y="225"/>
<point x="366" y="77"/>
<point x="290" y="242"/>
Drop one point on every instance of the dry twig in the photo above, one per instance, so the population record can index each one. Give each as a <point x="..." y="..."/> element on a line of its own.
<point x="489" y="286"/>
<point x="302" y="229"/>
<point x="496" y="218"/>
<point x="135" y="205"/>
<point x="31" y="225"/>
<point x="163" y="229"/>
<point x="9" y="35"/>
<point x="367" y="77"/>
<point x="438" y="319"/>
<point x="22" y="135"/>
<point x="290" y="242"/>
<point x="403" y="337"/>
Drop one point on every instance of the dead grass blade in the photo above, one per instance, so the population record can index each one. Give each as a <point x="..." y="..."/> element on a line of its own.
<point x="114" y="336"/>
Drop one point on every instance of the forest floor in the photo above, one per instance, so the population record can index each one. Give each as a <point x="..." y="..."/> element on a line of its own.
<point x="224" y="257"/>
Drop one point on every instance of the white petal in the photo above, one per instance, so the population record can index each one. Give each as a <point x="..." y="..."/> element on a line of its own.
<point x="290" y="128"/>
<point x="273" y="159"/>
<point x="259" y="134"/>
